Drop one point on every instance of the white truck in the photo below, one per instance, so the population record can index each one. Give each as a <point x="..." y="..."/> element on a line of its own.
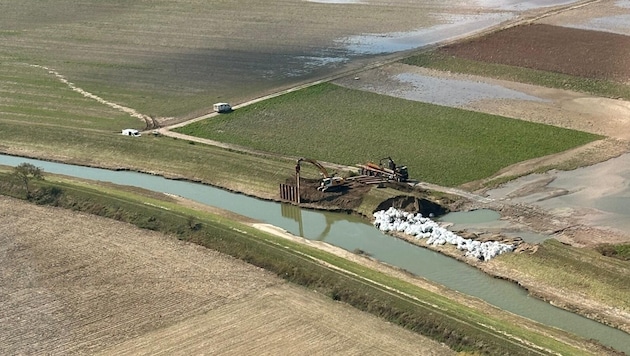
<point x="131" y="132"/>
<point x="222" y="107"/>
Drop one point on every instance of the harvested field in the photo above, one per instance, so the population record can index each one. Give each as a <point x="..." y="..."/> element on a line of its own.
<point x="78" y="284"/>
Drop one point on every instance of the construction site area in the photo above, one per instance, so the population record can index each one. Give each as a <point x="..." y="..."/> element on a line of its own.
<point x="319" y="186"/>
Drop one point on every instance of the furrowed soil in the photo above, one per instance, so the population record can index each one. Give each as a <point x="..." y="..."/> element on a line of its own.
<point x="577" y="52"/>
<point x="80" y="284"/>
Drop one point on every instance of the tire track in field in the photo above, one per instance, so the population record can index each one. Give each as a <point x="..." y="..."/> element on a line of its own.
<point x="132" y="112"/>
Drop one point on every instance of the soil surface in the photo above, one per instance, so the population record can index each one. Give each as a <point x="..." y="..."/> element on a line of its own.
<point x="577" y="52"/>
<point x="80" y="284"/>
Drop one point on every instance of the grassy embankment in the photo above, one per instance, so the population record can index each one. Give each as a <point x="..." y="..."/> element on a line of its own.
<point x="599" y="277"/>
<point x="462" y="328"/>
<point x="586" y="272"/>
<point x="439" y="144"/>
<point x="443" y="62"/>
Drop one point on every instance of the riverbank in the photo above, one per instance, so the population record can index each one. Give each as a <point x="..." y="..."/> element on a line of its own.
<point x="563" y="300"/>
<point x="560" y="296"/>
<point x="339" y="278"/>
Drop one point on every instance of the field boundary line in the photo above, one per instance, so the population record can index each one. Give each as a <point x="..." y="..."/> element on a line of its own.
<point x="132" y="112"/>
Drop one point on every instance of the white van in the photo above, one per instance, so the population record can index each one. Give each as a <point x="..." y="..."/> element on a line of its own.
<point x="131" y="132"/>
<point x="222" y="107"/>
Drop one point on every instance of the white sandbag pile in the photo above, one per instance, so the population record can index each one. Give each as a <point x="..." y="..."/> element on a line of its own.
<point x="424" y="228"/>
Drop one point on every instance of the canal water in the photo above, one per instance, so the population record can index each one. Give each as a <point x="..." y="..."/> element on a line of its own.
<point x="350" y="233"/>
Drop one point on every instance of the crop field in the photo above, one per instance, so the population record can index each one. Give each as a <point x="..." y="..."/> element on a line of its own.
<point x="168" y="60"/>
<point x="439" y="144"/>
<point x="108" y="287"/>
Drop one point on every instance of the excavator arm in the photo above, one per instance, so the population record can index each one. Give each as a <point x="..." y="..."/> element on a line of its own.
<point x="319" y="166"/>
<point x="328" y="182"/>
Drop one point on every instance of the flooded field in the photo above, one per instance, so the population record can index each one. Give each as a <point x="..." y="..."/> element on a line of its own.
<point x="596" y="195"/>
<point x="168" y="59"/>
<point x="610" y="16"/>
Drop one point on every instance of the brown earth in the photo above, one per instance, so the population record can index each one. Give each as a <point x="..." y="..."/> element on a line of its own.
<point x="79" y="284"/>
<point x="582" y="53"/>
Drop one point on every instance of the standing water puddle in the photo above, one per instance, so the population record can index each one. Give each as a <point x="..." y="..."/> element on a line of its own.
<point x="350" y="233"/>
<point x="481" y="220"/>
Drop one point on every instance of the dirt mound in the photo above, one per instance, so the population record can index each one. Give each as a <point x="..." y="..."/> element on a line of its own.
<point x="413" y="204"/>
<point x="345" y="198"/>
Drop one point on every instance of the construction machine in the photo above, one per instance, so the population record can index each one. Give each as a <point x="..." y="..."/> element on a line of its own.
<point x="386" y="169"/>
<point x="328" y="182"/>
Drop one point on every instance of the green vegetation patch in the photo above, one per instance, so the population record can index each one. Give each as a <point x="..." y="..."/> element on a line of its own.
<point x="444" y="62"/>
<point x="439" y="144"/>
<point x="579" y="270"/>
<point x="621" y="251"/>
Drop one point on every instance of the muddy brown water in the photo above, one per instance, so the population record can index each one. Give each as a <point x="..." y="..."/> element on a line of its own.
<point x="350" y="233"/>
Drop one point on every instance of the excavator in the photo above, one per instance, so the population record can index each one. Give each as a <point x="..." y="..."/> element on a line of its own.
<point x="328" y="183"/>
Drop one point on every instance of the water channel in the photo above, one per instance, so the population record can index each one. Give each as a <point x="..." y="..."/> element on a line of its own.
<point x="350" y="232"/>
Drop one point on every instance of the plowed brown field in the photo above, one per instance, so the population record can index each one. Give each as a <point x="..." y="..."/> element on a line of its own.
<point x="583" y="53"/>
<point x="79" y="284"/>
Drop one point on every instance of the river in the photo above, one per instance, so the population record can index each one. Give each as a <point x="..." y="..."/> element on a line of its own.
<point x="350" y="232"/>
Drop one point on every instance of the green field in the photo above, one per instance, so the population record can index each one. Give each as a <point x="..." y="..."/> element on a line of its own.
<point x="161" y="58"/>
<point x="439" y="144"/>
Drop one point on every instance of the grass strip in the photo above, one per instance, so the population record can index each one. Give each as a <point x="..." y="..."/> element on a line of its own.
<point x="583" y="271"/>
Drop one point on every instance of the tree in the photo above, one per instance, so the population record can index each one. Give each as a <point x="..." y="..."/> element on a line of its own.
<point x="24" y="173"/>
